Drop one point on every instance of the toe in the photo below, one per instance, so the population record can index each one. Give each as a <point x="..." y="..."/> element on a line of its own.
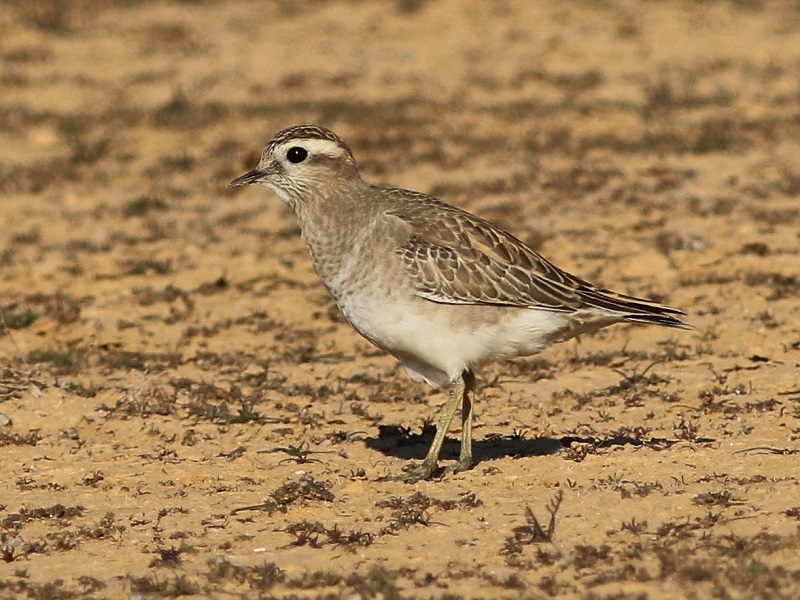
<point x="420" y="473"/>
<point x="465" y="464"/>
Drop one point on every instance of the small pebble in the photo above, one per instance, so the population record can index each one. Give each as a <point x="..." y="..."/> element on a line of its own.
<point x="70" y="433"/>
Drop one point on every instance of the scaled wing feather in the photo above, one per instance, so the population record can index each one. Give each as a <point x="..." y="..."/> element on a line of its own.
<point x="454" y="257"/>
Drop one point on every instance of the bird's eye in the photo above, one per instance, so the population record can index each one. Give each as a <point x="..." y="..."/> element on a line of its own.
<point x="296" y="154"/>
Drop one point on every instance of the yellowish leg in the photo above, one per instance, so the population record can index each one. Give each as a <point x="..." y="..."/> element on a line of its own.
<point x="460" y="392"/>
<point x="465" y="459"/>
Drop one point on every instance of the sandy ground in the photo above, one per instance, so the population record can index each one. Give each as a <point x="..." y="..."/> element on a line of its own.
<point x="184" y="412"/>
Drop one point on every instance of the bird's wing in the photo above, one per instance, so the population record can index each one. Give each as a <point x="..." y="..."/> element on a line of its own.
<point x="455" y="257"/>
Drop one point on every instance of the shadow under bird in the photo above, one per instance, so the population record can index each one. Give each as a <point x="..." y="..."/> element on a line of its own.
<point x="440" y="289"/>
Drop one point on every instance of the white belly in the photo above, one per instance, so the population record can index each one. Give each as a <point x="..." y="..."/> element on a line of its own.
<point x="437" y="342"/>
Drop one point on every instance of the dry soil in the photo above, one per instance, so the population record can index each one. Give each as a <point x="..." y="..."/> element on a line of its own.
<point x="184" y="412"/>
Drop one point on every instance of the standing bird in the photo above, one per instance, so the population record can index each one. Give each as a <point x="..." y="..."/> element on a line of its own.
<point x="440" y="289"/>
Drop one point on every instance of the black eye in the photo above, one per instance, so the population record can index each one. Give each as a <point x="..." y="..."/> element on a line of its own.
<point x="296" y="154"/>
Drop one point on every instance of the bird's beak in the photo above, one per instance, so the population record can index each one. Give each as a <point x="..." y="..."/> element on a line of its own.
<point x="253" y="176"/>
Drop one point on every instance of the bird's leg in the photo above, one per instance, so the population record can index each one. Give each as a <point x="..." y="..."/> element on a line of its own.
<point x="428" y="466"/>
<point x="465" y="458"/>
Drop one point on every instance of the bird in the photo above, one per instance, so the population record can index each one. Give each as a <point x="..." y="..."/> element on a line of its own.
<point x="440" y="289"/>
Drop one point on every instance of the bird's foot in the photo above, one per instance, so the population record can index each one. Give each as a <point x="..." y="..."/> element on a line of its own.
<point x="420" y="473"/>
<point x="463" y="464"/>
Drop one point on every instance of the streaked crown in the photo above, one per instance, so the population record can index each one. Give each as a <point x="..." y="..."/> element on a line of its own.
<point x="321" y="145"/>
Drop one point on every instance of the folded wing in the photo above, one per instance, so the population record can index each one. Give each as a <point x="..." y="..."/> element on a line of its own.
<point x="457" y="258"/>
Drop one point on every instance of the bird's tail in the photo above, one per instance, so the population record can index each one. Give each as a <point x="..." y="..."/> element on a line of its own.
<point x="634" y="309"/>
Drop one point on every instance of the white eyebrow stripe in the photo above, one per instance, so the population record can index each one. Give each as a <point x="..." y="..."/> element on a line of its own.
<point x="313" y="146"/>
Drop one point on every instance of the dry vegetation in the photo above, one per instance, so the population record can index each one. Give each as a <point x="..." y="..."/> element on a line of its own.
<point x="183" y="412"/>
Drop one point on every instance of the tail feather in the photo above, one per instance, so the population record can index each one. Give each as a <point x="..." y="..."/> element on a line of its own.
<point x="652" y="319"/>
<point x="634" y="309"/>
